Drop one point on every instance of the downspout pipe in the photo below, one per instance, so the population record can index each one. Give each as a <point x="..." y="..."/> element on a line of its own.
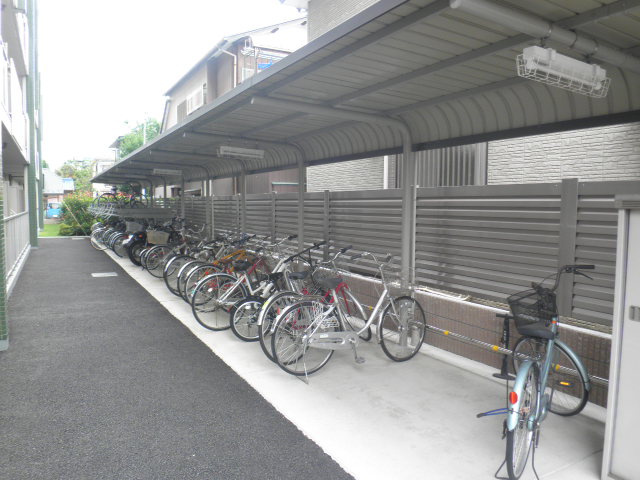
<point x="537" y="27"/>
<point x="407" y="251"/>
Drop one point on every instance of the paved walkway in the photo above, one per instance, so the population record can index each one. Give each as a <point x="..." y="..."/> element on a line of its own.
<point x="141" y="397"/>
<point x="101" y="382"/>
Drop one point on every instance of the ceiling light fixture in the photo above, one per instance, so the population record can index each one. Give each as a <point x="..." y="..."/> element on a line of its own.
<point x="237" y="152"/>
<point x="552" y="68"/>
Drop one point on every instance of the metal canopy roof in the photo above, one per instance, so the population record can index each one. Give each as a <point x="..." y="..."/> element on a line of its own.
<point x="447" y="74"/>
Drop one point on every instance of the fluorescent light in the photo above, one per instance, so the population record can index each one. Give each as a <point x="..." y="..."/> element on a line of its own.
<point x="548" y="66"/>
<point x="237" y="152"/>
<point x="166" y="171"/>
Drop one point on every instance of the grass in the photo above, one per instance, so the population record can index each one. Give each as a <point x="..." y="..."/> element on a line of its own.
<point x="50" y="230"/>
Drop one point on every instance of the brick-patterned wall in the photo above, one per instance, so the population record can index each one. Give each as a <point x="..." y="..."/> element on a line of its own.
<point x="367" y="174"/>
<point x="482" y="324"/>
<point x="593" y="154"/>
<point x="323" y="15"/>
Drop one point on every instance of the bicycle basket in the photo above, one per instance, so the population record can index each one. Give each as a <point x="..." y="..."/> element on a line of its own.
<point x="157" y="237"/>
<point x="133" y="227"/>
<point x="529" y="308"/>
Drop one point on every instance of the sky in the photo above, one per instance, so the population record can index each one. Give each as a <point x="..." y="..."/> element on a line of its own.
<point x="106" y="64"/>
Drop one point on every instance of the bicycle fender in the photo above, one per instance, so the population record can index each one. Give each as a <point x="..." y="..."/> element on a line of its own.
<point x="513" y="416"/>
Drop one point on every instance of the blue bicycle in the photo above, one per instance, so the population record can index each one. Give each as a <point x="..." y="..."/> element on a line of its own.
<point x="550" y="376"/>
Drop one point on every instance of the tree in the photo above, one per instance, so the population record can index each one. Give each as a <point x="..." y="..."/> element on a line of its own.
<point x="81" y="171"/>
<point x="138" y="136"/>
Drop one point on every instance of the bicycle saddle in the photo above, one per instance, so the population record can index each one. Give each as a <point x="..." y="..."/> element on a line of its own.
<point x="242" y="265"/>
<point x="537" y="330"/>
<point x="329" y="283"/>
<point x="299" y="275"/>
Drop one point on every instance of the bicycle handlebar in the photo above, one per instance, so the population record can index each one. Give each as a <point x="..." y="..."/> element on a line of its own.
<point x="564" y="269"/>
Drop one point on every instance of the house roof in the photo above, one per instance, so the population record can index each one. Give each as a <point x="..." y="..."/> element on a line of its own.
<point x="278" y="37"/>
<point x="426" y="69"/>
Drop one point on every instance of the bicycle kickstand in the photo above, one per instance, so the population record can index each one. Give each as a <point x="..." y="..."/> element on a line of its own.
<point x="358" y="359"/>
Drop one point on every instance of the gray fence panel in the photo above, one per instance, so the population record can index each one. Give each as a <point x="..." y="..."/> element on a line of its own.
<point x="226" y="215"/>
<point x="487" y="241"/>
<point x="259" y="218"/>
<point x="488" y="246"/>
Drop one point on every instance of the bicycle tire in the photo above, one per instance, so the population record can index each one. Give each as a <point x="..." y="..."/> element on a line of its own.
<point x="118" y="246"/>
<point x="182" y="272"/>
<point x="206" y="303"/>
<point x="392" y="331"/>
<point x="291" y="331"/>
<point x="96" y="242"/>
<point x="520" y="439"/>
<point x="243" y="318"/>
<point x="194" y="276"/>
<point x="171" y="270"/>
<point x="134" y="250"/>
<point x="269" y="312"/>
<point x="157" y="258"/>
<point x="566" y="387"/>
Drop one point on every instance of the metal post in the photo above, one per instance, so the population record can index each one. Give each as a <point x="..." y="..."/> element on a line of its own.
<point x="243" y="201"/>
<point x="567" y="250"/>
<point x="182" y="205"/>
<point x="326" y="224"/>
<point x="164" y="181"/>
<point x="273" y="216"/>
<point x="407" y="251"/>
<point x="302" y="176"/>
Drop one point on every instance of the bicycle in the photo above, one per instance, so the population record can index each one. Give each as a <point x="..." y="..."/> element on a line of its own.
<point x="306" y="334"/>
<point x="549" y="377"/>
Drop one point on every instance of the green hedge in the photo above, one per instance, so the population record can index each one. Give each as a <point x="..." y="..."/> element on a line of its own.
<point x="76" y="219"/>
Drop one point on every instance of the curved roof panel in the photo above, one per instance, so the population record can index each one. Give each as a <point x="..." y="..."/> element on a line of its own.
<point x="449" y="75"/>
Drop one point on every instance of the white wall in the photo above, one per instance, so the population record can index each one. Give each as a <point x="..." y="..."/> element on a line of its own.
<point x="593" y="154"/>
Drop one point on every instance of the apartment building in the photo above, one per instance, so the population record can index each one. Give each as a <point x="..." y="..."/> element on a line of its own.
<point x="232" y="61"/>
<point x="21" y="186"/>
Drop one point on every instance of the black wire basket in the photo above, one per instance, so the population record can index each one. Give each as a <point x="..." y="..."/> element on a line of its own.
<point x="529" y="308"/>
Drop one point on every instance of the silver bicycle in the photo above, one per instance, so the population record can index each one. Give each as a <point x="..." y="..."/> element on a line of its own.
<point x="306" y="334"/>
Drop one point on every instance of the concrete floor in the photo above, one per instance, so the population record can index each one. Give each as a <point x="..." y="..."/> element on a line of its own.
<point x="385" y="420"/>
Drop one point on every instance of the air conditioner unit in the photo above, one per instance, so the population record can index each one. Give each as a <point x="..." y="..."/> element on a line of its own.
<point x="552" y="68"/>
<point x="237" y="152"/>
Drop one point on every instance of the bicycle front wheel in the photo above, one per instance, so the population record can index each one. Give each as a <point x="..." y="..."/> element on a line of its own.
<point x="294" y="330"/>
<point x="243" y="318"/>
<point x="566" y="387"/>
<point x="213" y="297"/>
<point x="270" y="310"/>
<point x="402" y="328"/>
<point x="520" y="439"/>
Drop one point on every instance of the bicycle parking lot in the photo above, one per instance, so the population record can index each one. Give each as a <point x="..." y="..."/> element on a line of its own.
<point x="382" y="419"/>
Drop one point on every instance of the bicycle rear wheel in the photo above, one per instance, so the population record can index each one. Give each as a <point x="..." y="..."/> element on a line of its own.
<point x="402" y="328"/>
<point x="566" y="387"/>
<point x="520" y="439"/>
<point x="291" y="334"/>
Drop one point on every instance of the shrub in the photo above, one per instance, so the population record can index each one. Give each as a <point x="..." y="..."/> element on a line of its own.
<point x="76" y="219"/>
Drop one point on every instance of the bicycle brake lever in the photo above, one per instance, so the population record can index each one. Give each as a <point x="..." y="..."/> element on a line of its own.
<point x="578" y="272"/>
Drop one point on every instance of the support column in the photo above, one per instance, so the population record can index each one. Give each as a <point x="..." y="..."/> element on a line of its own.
<point x="567" y="250"/>
<point x="182" y="205"/>
<point x="242" y="187"/>
<point x="302" y="177"/>
<point x="408" y="242"/>
<point x="326" y="224"/>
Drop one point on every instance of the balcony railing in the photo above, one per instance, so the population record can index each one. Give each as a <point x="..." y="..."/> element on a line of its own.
<point x="16" y="234"/>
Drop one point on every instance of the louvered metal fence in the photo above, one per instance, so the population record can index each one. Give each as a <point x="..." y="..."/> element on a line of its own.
<point x="486" y="241"/>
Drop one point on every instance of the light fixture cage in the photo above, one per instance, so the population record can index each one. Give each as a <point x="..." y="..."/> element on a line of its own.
<point x="547" y="66"/>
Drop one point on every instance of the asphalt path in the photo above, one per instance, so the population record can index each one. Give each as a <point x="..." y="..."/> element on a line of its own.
<point x="101" y="382"/>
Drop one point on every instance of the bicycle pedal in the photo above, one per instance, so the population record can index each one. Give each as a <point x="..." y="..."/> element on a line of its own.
<point x="360" y="360"/>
